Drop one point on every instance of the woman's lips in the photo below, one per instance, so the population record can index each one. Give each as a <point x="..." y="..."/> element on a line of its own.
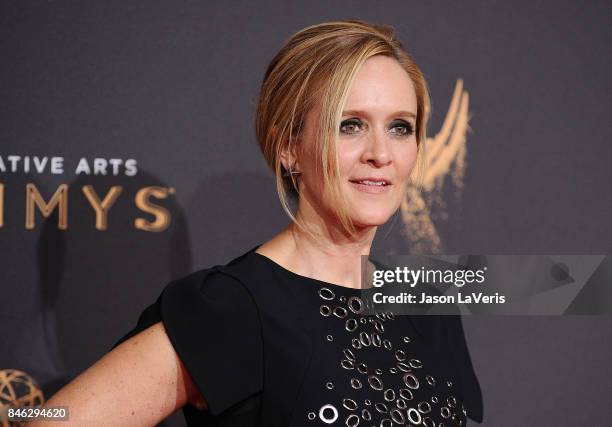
<point x="371" y="188"/>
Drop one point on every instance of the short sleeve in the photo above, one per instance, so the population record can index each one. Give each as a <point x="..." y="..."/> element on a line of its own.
<point x="213" y="324"/>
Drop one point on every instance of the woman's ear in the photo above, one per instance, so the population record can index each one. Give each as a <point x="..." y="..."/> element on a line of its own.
<point x="289" y="157"/>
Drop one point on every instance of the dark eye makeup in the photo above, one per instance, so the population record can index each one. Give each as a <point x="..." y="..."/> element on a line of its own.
<point x="353" y="125"/>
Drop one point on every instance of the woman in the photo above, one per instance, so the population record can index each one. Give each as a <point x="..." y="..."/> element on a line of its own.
<point x="278" y="336"/>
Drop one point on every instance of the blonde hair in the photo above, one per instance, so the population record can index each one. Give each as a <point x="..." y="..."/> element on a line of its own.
<point x="319" y="64"/>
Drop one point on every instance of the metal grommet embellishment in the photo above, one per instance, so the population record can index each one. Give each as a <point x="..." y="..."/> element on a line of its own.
<point x="329" y="385"/>
<point x="424" y="407"/>
<point x="376" y="341"/>
<point x="340" y="312"/>
<point x="397" y="416"/>
<point x="389" y="394"/>
<point x="352" y="420"/>
<point x="406" y="339"/>
<point x="349" y="404"/>
<point x="381" y="407"/>
<point x="428" y="422"/>
<point x="355" y="383"/>
<point x="363" y="368"/>
<point x="403" y="367"/>
<point x="387" y="344"/>
<point x="349" y="354"/>
<point x="379" y="326"/>
<point x="375" y="382"/>
<point x="452" y="401"/>
<point x="355" y="305"/>
<point x="325" y="416"/>
<point x="430" y="380"/>
<point x="406" y="394"/>
<point x="386" y="423"/>
<point x="445" y="412"/>
<point x="312" y="416"/>
<point x="414" y="416"/>
<point x="351" y="325"/>
<point x="401" y="404"/>
<point x="342" y="298"/>
<point x="347" y="364"/>
<point x="400" y="355"/>
<point x="415" y="363"/>
<point x="326" y="293"/>
<point x="325" y="310"/>
<point x="330" y="338"/>
<point x="365" y="339"/>
<point x="411" y="381"/>
<point x="356" y="343"/>
<point x="365" y="414"/>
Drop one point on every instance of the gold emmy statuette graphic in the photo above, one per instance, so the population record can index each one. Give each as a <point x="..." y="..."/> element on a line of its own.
<point x="17" y="389"/>
<point x="444" y="157"/>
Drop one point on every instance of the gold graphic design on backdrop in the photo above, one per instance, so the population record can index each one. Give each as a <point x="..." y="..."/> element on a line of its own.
<point x="444" y="159"/>
<point x="35" y="202"/>
<point x="17" y="389"/>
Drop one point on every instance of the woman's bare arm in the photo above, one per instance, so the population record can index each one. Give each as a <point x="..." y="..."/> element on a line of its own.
<point x="139" y="383"/>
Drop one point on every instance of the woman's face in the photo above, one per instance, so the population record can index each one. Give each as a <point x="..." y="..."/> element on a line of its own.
<point x="376" y="145"/>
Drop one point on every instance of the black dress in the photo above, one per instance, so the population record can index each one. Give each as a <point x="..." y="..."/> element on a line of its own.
<point x="268" y="347"/>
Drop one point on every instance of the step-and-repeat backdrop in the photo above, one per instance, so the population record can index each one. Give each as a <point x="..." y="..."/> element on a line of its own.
<point x="128" y="158"/>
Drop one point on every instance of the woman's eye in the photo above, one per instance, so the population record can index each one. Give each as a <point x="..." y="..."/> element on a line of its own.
<point x="350" y="126"/>
<point x="402" y="128"/>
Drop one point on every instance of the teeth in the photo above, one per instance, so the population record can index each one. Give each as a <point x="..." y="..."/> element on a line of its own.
<point x="366" y="182"/>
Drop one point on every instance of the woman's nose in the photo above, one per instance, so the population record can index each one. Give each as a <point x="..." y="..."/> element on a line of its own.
<point x="377" y="149"/>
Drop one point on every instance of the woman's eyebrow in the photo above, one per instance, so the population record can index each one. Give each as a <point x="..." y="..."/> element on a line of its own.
<point x="401" y="113"/>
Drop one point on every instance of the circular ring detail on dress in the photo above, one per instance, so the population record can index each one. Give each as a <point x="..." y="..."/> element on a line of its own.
<point x="349" y="354"/>
<point x="428" y="422"/>
<point x="375" y="382"/>
<point x="325" y="416"/>
<point x="397" y="416"/>
<point x="325" y="310"/>
<point x="347" y="364"/>
<point x="445" y="412"/>
<point x="414" y="416"/>
<point x="415" y="363"/>
<point x="355" y="383"/>
<point x="376" y="341"/>
<point x="430" y="380"/>
<point x="355" y="305"/>
<point x="349" y="404"/>
<point x="326" y="293"/>
<point x="356" y="343"/>
<point x="401" y="404"/>
<point x="424" y="407"/>
<point x="387" y="344"/>
<point x="351" y="325"/>
<point x="403" y="367"/>
<point x="365" y="414"/>
<point x="330" y="338"/>
<point x="406" y="394"/>
<point x="312" y="416"/>
<point x="363" y="368"/>
<point x="365" y="339"/>
<point x="389" y="394"/>
<point x="386" y="423"/>
<point x="411" y="381"/>
<point x="329" y="385"/>
<point x="400" y="355"/>
<point x="352" y="420"/>
<point x="381" y="407"/>
<point x="379" y="326"/>
<point x="340" y="312"/>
